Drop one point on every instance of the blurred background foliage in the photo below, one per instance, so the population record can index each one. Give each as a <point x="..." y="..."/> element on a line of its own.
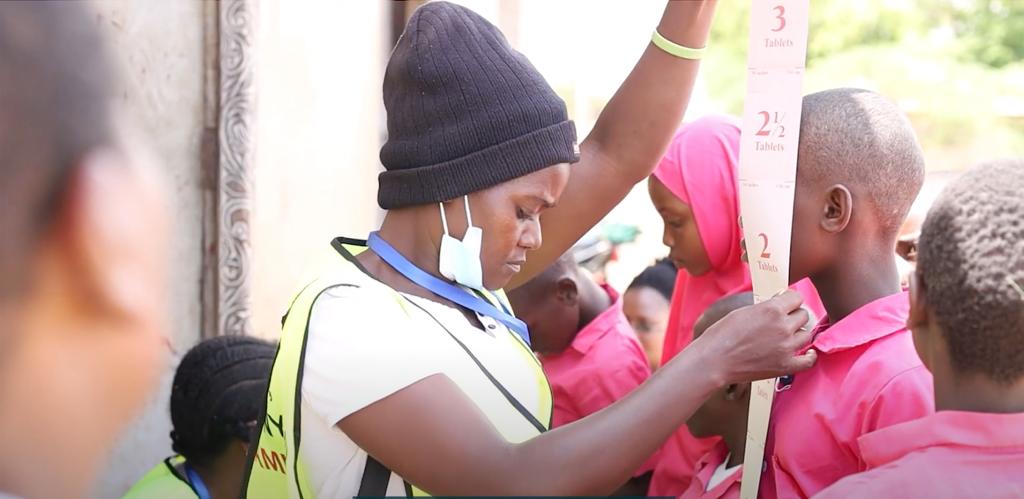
<point x="955" y="66"/>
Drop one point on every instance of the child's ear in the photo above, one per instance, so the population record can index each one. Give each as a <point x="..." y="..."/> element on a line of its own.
<point x="838" y="209"/>
<point x="918" y="316"/>
<point x="566" y="291"/>
<point x="738" y="391"/>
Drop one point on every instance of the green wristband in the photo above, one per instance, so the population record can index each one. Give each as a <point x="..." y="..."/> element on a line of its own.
<point x="675" y="49"/>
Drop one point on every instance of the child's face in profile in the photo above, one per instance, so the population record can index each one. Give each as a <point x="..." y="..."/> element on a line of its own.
<point x="686" y="250"/>
<point x="726" y="409"/>
<point x="647" y="312"/>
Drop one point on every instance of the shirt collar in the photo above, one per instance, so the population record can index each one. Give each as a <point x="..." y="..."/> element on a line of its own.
<point x="868" y="323"/>
<point x="709" y="463"/>
<point x="944" y="428"/>
<point x="604" y="322"/>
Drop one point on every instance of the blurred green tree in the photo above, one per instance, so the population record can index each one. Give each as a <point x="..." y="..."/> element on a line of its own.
<point x="955" y="66"/>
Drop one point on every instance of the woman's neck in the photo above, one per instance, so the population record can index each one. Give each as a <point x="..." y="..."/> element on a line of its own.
<point x="410" y="239"/>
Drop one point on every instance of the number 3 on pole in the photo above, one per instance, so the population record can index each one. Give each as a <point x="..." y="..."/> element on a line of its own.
<point x="780" y="13"/>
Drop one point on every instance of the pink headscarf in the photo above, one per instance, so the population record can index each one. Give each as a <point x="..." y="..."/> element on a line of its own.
<point x="700" y="169"/>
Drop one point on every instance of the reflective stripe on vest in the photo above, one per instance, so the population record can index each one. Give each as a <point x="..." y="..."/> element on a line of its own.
<point x="275" y="468"/>
<point x="164" y="481"/>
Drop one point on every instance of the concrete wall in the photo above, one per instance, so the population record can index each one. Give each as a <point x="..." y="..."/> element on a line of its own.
<point x="320" y="127"/>
<point x="160" y="49"/>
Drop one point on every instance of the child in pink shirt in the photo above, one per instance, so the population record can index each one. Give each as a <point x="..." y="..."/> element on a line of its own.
<point x="967" y="318"/>
<point x="859" y="169"/>
<point x="694" y="191"/>
<point x="587" y="349"/>
<point x="724" y="415"/>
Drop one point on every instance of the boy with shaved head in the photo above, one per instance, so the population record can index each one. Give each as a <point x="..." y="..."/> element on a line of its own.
<point x="967" y="317"/>
<point x="588" y="350"/>
<point x="859" y="168"/>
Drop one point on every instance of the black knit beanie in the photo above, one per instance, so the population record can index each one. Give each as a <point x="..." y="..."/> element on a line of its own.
<point x="465" y="111"/>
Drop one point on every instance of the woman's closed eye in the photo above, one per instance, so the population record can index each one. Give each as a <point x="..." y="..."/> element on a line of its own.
<point x="527" y="215"/>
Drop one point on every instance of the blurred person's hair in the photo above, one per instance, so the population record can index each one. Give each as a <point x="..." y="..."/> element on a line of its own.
<point x="660" y="277"/>
<point x="971" y="266"/>
<point x="218" y="395"/>
<point x="55" y="107"/>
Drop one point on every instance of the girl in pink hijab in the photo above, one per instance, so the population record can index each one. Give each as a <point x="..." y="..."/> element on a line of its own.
<point x="694" y="190"/>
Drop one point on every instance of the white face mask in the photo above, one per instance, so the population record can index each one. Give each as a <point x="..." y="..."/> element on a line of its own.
<point x="460" y="260"/>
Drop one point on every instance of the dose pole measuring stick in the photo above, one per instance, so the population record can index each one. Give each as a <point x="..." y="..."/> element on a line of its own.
<point x="776" y="55"/>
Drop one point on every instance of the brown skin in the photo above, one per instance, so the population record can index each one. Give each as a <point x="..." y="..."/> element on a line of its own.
<point x="955" y="391"/>
<point x="508" y="213"/>
<point x="840" y="244"/>
<point x="724" y="414"/>
<point x="556" y="305"/>
<point x="86" y="339"/>
<point x="629" y="137"/>
<point x="223" y="475"/>
<point x="647" y="311"/>
<point x="681" y="236"/>
<point x="433" y="435"/>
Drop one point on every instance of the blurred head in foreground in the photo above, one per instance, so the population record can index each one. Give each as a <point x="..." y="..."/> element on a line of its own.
<point x="82" y="256"/>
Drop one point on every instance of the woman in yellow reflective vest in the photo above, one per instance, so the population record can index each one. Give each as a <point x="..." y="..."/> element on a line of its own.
<point x="402" y="370"/>
<point x="216" y="402"/>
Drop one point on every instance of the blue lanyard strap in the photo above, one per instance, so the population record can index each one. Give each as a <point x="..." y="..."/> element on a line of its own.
<point x="196" y="482"/>
<point x="445" y="289"/>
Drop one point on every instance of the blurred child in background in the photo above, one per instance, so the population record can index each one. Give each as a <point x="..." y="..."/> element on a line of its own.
<point x="646" y="305"/>
<point x="216" y="401"/>
<point x="906" y="241"/>
<point x="587" y="349"/>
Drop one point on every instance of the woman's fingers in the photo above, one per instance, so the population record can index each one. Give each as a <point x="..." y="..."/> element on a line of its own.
<point x="797" y="321"/>
<point x="787" y="301"/>
<point x="802" y="362"/>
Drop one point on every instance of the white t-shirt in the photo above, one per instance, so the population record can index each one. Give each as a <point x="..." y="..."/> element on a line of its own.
<point x="360" y="350"/>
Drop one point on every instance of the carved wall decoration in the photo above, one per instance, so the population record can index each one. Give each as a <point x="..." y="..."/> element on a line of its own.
<point x="233" y="186"/>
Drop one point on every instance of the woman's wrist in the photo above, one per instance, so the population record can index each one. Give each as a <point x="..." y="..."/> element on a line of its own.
<point x="687" y="23"/>
<point x="702" y="369"/>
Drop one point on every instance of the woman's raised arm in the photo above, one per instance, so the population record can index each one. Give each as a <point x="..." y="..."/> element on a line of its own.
<point x="630" y="135"/>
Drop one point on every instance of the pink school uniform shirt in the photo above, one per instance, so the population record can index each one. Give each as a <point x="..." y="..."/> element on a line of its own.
<point x="700" y="168"/>
<point x="950" y="454"/>
<point x="868" y="376"/>
<point x="727" y="489"/>
<point x="603" y="364"/>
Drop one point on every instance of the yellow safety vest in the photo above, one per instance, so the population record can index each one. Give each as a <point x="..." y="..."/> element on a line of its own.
<point x="164" y="481"/>
<point x="275" y="468"/>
